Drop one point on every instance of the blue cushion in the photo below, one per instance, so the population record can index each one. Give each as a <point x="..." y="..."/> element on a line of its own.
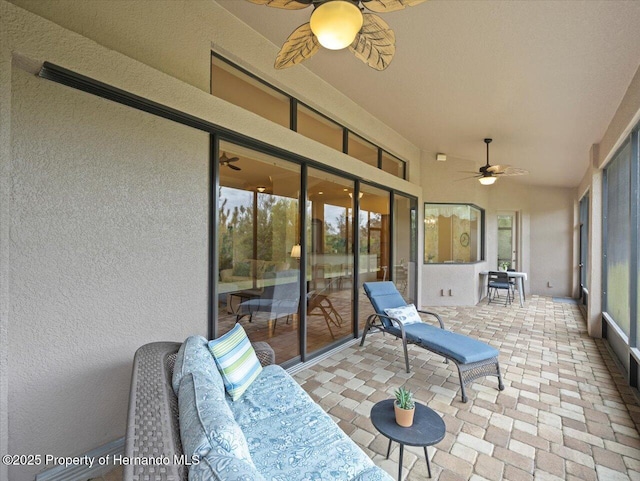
<point x="206" y="422"/>
<point x="216" y="467"/>
<point x="290" y="437"/>
<point x="194" y="356"/>
<point x="383" y="295"/>
<point x="463" y="349"/>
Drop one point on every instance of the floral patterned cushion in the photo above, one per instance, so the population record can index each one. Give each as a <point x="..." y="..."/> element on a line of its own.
<point x="207" y="424"/>
<point x="291" y="438"/>
<point x="406" y="314"/>
<point x="194" y="356"/>
<point x="216" y="467"/>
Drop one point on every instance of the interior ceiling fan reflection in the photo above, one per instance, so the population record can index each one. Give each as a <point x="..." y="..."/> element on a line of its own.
<point x="226" y="161"/>
<point x="488" y="174"/>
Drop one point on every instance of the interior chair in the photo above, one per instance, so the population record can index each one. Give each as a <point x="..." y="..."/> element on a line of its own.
<point x="278" y="300"/>
<point x="498" y="280"/>
<point x="514" y="284"/>
<point x="473" y="358"/>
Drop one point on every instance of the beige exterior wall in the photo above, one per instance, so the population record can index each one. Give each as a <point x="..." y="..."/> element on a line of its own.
<point x="87" y="275"/>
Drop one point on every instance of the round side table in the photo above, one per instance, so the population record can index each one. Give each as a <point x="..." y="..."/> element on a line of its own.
<point x="428" y="429"/>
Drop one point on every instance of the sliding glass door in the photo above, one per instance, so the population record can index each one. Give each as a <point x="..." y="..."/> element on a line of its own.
<point x="329" y="259"/>
<point x="259" y="271"/>
<point x="374" y="243"/>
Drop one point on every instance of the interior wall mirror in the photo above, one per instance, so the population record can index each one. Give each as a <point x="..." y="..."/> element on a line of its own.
<point x="453" y="233"/>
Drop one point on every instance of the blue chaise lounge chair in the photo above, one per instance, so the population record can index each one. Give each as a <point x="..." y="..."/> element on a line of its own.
<point x="473" y="358"/>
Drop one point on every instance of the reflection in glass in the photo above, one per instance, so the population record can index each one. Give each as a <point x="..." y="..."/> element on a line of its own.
<point x="373" y="233"/>
<point x="362" y="149"/>
<point x="452" y="233"/>
<point x="392" y="164"/>
<point x="258" y="279"/>
<point x="329" y="259"/>
<point x="404" y="246"/>
<point x="314" y="126"/>
<point x="233" y="85"/>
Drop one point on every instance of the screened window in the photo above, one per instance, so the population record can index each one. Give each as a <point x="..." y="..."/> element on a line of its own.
<point x="617" y="261"/>
<point x="453" y="233"/>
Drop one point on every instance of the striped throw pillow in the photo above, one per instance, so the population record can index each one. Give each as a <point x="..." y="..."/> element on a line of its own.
<point x="236" y="361"/>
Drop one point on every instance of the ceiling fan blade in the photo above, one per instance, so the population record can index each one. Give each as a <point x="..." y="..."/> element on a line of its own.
<point x="470" y="172"/>
<point x="233" y="159"/>
<point x="511" y="171"/>
<point x="497" y="168"/>
<point x="375" y="44"/>
<point x="301" y="45"/>
<point x="234" y="167"/>
<point x="383" y="6"/>
<point x="467" y="178"/>
<point x="285" y="4"/>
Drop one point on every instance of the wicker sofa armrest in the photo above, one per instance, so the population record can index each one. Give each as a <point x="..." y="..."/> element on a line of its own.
<point x="153" y="429"/>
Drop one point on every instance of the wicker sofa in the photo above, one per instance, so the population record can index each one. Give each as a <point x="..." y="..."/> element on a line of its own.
<point x="288" y="435"/>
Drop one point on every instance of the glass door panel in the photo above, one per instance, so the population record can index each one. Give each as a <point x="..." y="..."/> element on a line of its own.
<point x="373" y="233"/>
<point x="507" y="241"/>
<point x="404" y="246"/>
<point x="329" y="259"/>
<point x="258" y="278"/>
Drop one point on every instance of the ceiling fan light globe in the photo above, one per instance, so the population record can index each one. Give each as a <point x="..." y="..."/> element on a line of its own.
<point x="487" y="180"/>
<point x="336" y="23"/>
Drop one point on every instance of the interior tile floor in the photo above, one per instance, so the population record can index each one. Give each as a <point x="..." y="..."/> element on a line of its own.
<point x="566" y="412"/>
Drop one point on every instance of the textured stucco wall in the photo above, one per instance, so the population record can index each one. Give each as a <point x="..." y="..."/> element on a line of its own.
<point x="108" y="252"/>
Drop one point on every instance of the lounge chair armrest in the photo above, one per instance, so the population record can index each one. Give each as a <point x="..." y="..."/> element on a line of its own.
<point x="392" y="319"/>
<point x="434" y="315"/>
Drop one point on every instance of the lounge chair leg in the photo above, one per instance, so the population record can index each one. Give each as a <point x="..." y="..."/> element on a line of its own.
<point x="462" y="389"/>
<point x="500" y="383"/>
<point x="406" y="355"/>
<point x="367" y="326"/>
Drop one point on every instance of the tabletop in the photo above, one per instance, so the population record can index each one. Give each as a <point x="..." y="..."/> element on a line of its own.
<point x="428" y="427"/>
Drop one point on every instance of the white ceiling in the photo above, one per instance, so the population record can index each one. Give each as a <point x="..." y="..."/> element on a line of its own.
<point x="542" y="78"/>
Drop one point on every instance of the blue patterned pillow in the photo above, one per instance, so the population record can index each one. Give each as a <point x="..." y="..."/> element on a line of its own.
<point x="207" y="424"/>
<point x="236" y="360"/>
<point x="406" y="314"/>
<point x="194" y="356"/>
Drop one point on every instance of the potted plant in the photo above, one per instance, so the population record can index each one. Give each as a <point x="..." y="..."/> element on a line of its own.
<point x="504" y="265"/>
<point x="404" y="407"/>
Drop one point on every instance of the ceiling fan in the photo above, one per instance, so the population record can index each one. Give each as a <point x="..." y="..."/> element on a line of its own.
<point x="337" y="24"/>
<point x="224" y="160"/>
<point x="488" y="174"/>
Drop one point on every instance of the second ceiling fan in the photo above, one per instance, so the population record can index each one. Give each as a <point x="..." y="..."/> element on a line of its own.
<point x="488" y="174"/>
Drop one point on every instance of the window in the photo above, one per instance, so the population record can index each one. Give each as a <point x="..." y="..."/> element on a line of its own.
<point x="392" y="164"/>
<point x="617" y="232"/>
<point x="317" y="127"/>
<point x="241" y="88"/>
<point x="453" y="233"/>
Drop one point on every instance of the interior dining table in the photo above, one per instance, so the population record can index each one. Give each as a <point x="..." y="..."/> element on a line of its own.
<point x="519" y="277"/>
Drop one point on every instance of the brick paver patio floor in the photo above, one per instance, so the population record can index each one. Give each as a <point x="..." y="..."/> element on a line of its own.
<point x="565" y="414"/>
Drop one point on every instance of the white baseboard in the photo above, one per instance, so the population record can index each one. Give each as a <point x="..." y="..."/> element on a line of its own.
<point x="102" y="463"/>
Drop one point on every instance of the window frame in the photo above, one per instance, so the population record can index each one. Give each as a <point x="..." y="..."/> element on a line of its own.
<point x="481" y="232"/>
